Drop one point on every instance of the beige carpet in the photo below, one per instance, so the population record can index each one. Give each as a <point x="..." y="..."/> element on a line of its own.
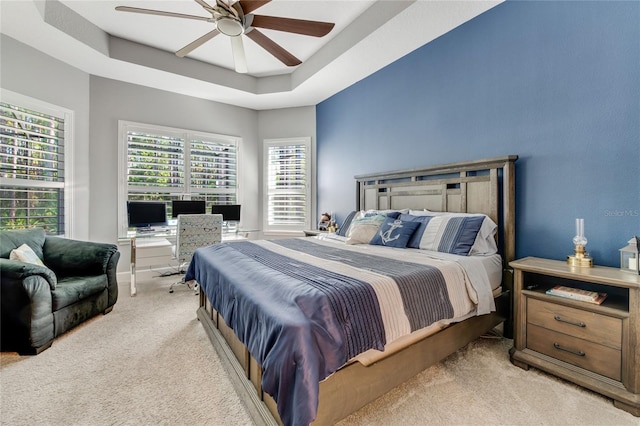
<point x="149" y="362"/>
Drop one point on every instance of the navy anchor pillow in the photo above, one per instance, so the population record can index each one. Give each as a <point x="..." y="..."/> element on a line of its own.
<point x="394" y="233"/>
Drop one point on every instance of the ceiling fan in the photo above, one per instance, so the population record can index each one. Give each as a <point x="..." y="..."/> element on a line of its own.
<point x="233" y="18"/>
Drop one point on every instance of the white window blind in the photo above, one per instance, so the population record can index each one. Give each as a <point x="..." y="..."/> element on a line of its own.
<point x="32" y="158"/>
<point x="288" y="184"/>
<point x="155" y="163"/>
<point x="213" y="166"/>
<point x="165" y="164"/>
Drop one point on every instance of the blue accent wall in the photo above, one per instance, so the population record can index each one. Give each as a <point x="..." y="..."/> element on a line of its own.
<point x="555" y="82"/>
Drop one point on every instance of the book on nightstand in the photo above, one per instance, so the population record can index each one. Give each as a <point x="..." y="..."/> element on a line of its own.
<point x="577" y="294"/>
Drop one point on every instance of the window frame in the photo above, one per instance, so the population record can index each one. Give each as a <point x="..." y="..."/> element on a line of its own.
<point x="309" y="186"/>
<point x="67" y="186"/>
<point x="124" y="127"/>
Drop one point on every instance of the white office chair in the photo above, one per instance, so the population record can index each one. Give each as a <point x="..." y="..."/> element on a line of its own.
<point x="194" y="231"/>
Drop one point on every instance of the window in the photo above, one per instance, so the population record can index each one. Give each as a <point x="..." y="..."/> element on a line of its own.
<point x="165" y="164"/>
<point x="288" y="184"/>
<point x="34" y="139"/>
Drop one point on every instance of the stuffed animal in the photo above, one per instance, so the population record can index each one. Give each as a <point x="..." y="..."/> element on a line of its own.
<point x="325" y="221"/>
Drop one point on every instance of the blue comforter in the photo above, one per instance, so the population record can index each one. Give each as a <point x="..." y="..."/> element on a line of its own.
<point x="303" y="308"/>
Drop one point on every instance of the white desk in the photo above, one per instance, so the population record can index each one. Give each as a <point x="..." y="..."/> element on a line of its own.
<point x="156" y="248"/>
<point x="150" y="249"/>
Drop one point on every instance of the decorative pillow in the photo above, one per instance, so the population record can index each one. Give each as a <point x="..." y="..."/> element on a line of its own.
<point x="485" y="243"/>
<point x="391" y="214"/>
<point x="394" y="233"/>
<point x="422" y="221"/>
<point x="342" y="231"/>
<point x="24" y="253"/>
<point x="363" y="229"/>
<point x="454" y="234"/>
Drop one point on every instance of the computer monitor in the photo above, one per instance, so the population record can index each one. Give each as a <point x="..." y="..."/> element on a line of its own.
<point x="145" y="214"/>
<point x="187" y="207"/>
<point x="229" y="212"/>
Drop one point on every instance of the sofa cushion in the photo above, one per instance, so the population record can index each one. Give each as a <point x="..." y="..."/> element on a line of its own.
<point x="72" y="289"/>
<point x="68" y="258"/>
<point x="33" y="237"/>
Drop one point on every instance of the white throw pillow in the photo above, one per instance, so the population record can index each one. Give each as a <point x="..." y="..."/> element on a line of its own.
<point x="364" y="229"/>
<point x="24" y="253"/>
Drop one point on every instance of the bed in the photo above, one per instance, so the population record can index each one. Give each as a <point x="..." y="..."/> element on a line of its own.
<point x="326" y="325"/>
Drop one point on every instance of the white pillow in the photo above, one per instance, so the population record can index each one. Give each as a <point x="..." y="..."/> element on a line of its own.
<point x="485" y="243"/>
<point x="362" y="230"/>
<point x="24" y="253"/>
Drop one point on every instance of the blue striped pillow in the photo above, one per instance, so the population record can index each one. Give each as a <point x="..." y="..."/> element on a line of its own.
<point x="342" y="231"/>
<point x="450" y="233"/>
<point x="414" y="241"/>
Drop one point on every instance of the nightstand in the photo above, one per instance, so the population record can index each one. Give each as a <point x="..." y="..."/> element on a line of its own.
<point x="594" y="346"/>
<point x="313" y="232"/>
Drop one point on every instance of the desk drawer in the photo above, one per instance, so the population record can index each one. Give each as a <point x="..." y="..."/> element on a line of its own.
<point x="584" y="354"/>
<point x="590" y="326"/>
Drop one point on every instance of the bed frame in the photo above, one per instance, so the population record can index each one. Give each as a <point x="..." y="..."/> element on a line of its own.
<point x="483" y="186"/>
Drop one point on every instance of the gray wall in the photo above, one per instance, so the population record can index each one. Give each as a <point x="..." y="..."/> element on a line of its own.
<point x="98" y="104"/>
<point x="289" y="123"/>
<point x="113" y="100"/>
<point x="28" y="72"/>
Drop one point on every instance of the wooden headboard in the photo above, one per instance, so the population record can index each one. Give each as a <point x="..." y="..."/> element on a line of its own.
<point x="481" y="186"/>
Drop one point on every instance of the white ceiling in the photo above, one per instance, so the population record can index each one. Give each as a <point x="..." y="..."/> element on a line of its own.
<point x="138" y="48"/>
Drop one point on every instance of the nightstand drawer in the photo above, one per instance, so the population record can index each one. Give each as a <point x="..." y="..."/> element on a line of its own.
<point x="588" y="355"/>
<point x="596" y="328"/>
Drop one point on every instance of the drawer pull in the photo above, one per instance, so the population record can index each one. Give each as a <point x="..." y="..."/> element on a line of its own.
<point x="576" y="323"/>
<point x="571" y="351"/>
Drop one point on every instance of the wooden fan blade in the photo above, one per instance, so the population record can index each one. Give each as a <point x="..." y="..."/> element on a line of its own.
<point x="272" y="47"/>
<point x="197" y="43"/>
<point x="298" y="26"/>
<point x="239" y="58"/>
<point x="249" y="6"/>
<point x="160" y="12"/>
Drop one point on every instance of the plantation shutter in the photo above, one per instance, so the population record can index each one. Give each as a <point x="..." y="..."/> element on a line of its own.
<point x="166" y="164"/>
<point x="32" y="169"/>
<point x="155" y="163"/>
<point x="287" y="184"/>
<point x="213" y="169"/>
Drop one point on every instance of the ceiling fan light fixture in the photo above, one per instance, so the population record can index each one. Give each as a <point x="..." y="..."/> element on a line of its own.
<point x="233" y="18"/>
<point x="229" y="26"/>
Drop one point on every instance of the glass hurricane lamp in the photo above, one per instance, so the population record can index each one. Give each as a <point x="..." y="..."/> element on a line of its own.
<point x="580" y="257"/>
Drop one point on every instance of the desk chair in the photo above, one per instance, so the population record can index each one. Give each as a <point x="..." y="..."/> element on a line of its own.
<point x="194" y="231"/>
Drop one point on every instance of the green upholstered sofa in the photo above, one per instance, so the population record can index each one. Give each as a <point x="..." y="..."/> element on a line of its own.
<point x="39" y="303"/>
